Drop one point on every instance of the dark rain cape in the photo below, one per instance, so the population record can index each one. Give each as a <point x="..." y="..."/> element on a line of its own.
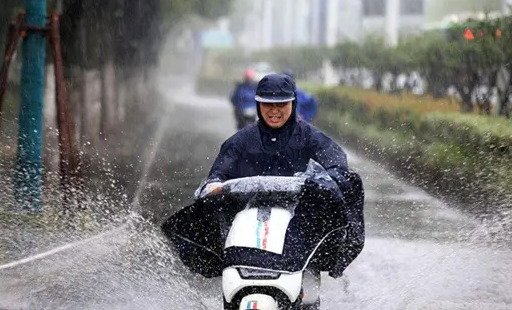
<point x="196" y="232"/>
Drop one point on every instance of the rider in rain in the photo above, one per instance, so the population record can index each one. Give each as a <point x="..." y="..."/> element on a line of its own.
<point x="280" y="144"/>
<point x="243" y="96"/>
<point x="306" y="103"/>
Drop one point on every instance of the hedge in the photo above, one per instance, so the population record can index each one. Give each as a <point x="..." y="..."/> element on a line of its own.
<point x="462" y="156"/>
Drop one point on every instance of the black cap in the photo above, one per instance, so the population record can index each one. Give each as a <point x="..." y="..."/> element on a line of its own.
<point x="275" y="88"/>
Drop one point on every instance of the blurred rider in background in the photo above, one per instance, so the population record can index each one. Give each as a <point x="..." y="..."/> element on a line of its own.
<point x="242" y="98"/>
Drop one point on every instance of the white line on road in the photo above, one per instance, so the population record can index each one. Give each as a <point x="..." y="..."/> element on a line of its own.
<point x="60" y="249"/>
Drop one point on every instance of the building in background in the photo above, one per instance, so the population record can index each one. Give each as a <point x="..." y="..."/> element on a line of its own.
<point x="325" y="18"/>
<point x="282" y="21"/>
<point x="273" y="23"/>
<point x="332" y="21"/>
<point x="411" y="16"/>
<point x="270" y="23"/>
<point x="350" y="25"/>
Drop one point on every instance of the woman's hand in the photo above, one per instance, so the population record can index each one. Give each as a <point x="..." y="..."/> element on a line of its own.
<point x="213" y="189"/>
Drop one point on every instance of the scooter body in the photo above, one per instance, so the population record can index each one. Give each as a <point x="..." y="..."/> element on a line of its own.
<point x="263" y="226"/>
<point x="268" y="237"/>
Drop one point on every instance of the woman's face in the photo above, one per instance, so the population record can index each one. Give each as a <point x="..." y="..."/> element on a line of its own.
<point x="276" y="114"/>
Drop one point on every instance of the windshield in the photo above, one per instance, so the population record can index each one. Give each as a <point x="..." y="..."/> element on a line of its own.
<point x="263" y="184"/>
<point x="277" y="184"/>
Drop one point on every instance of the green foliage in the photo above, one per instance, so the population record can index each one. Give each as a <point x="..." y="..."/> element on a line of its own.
<point x="375" y="55"/>
<point x="349" y="55"/>
<point x="505" y="41"/>
<point x="434" y="54"/>
<point x="475" y="133"/>
<point x="471" y="153"/>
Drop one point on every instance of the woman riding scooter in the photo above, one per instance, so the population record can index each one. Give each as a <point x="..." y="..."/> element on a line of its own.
<point x="279" y="144"/>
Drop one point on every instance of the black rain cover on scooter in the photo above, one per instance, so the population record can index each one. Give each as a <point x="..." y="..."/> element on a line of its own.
<point x="195" y="231"/>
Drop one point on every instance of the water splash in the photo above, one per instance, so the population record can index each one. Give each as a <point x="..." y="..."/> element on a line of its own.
<point x="494" y="229"/>
<point x="132" y="268"/>
<point x="148" y="160"/>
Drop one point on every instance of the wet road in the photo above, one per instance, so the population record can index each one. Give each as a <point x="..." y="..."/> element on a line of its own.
<point x="419" y="254"/>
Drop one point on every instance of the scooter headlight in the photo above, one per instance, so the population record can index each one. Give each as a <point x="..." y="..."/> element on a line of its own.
<point x="248" y="273"/>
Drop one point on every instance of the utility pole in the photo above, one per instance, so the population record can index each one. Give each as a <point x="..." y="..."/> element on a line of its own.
<point x="315" y="22"/>
<point x="331" y="23"/>
<point x="392" y="21"/>
<point x="267" y="23"/>
<point x="30" y="135"/>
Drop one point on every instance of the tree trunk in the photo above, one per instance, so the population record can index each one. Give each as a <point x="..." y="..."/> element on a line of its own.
<point x="437" y="85"/>
<point x="504" y="109"/>
<point x="466" y="102"/>
<point x="83" y="109"/>
<point x="503" y="84"/>
<point x="75" y="101"/>
<point x="51" y="140"/>
<point x="108" y="104"/>
<point x="121" y="87"/>
<point x="91" y="104"/>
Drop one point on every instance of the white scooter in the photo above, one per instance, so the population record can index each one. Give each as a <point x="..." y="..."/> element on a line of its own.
<point x="262" y="229"/>
<point x="263" y="226"/>
<point x="268" y="259"/>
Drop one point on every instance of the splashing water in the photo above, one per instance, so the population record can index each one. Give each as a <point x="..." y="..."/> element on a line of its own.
<point x="131" y="266"/>
<point x="148" y="159"/>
